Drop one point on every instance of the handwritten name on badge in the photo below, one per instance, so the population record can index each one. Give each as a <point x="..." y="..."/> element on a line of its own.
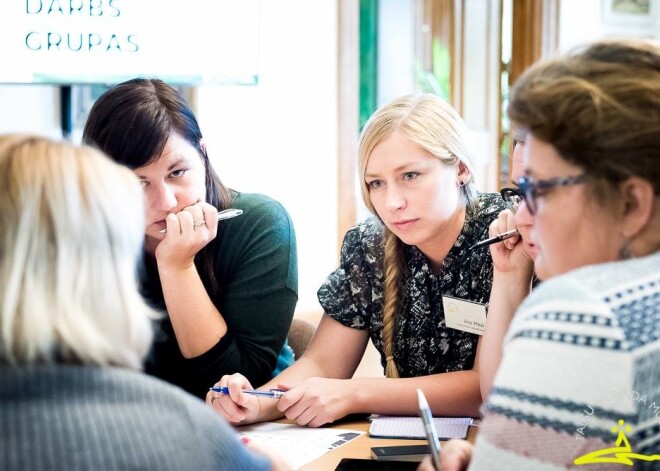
<point x="464" y="315"/>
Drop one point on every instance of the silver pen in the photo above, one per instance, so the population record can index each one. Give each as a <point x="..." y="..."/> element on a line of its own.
<point x="226" y="214"/>
<point x="496" y="239"/>
<point x="431" y="433"/>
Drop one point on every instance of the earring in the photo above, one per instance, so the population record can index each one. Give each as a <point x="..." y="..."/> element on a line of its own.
<point x="625" y="252"/>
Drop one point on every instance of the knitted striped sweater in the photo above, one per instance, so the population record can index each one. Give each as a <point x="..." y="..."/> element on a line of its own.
<point x="582" y="354"/>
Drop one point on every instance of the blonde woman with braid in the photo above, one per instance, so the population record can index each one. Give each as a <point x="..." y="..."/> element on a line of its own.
<point x="396" y="268"/>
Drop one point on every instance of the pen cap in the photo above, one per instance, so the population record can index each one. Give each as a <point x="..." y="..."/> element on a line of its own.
<point x="422" y="403"/>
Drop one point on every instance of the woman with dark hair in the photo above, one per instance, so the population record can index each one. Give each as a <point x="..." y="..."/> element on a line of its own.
<point x="229" y="287"/>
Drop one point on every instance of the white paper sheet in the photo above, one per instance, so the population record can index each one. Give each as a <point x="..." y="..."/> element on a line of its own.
<point x="413" y="427"/>
<point x="298" y="445"/>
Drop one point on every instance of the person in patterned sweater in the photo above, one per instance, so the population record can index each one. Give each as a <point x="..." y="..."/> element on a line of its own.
<point x="579" y="382"/>
<point x="396" y="270"/>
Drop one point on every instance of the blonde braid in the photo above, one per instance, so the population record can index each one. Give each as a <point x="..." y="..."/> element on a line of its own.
<point x="392" y="266"/>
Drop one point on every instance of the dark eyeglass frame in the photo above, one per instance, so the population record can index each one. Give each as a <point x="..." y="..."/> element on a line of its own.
<point x="512" y="197"/>
<point x="531" y="189"/>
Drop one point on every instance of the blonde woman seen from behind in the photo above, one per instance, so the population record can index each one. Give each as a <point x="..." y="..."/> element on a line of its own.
<point x="74" y="329"/>
<point x="396" y="268"/>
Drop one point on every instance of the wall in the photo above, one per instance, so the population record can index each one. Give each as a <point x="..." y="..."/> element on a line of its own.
<point x="579" y="22"/>
<point x="30" y="108"/>
<point x="586" y="20"/>
<point x="396" y="49"/>
<point x="278" y="138"/>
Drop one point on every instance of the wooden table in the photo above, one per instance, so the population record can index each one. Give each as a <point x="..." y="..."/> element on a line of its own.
<point x="361" y="446"/>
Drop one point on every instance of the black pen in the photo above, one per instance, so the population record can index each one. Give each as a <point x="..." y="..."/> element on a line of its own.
<point x="496" y="239"/>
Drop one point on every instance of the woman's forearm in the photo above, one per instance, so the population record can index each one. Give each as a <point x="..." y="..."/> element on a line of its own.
<point x="508" y="292"/>
<point x="452" y="394"/>
<point x="197" y="324"/>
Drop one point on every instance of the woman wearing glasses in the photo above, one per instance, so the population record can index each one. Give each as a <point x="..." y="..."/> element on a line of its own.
<point x="578" y="381"/>
<point x="397" y="269"/>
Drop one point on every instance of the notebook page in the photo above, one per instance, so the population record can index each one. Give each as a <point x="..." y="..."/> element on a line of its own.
<point x="413" y="428"/>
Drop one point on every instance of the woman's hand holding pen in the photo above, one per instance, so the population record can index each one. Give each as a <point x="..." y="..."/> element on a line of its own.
<point x="236" y="407"/>
<point x="318" y="401"/>
<point x="455" y="456"/>
<point x="188" y="231"/>
<point x="512" y="276"/>
<point x="508" y="255"/>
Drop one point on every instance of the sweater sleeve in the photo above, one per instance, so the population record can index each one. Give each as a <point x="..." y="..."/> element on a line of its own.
<point x="566" y="378"/>
<point x="218" y="443"/>
<point x="257" y="272"/>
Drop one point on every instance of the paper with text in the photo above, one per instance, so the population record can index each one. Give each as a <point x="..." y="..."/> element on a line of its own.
<point x="297" y="445"/>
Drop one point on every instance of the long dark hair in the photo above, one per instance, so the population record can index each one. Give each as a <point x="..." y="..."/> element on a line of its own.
<point x="132" y="121"/>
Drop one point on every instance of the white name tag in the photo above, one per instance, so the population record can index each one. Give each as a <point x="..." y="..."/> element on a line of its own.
<point x="464" y="315"/>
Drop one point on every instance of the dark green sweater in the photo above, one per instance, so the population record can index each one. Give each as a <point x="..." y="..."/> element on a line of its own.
<point x="256" y="268"/>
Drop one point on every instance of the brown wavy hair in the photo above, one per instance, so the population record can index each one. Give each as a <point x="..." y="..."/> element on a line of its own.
<point x="599" y="107"/>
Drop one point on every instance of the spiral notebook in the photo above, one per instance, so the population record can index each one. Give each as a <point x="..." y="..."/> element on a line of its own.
<point x="384" y="426"/>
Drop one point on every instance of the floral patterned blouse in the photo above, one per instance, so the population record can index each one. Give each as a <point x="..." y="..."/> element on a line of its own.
<point x="424" y="345"/>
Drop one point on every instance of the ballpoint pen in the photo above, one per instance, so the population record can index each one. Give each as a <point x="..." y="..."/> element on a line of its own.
<point x="272" y="393"/>
<point x="226" y="214"/>
<point x="496" y="239"/>
<point x="431" y="433"/>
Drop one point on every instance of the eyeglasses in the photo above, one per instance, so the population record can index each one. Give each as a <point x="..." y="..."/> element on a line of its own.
<point x="512" y="198"/>
<point x="531" y="190"/>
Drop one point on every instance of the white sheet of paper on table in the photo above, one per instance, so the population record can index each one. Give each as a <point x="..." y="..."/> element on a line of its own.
<point x="297" y="445"/>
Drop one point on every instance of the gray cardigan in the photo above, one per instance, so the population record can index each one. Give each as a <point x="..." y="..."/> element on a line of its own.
<point x="82" y="418"/>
